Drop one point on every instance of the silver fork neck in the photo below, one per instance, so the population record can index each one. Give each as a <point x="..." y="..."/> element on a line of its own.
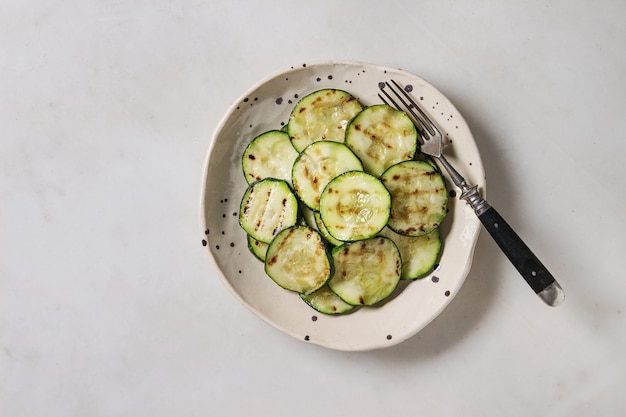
<point x="470" y="194"/>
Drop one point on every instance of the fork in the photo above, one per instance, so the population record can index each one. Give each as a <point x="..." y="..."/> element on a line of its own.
<point x="528" y="265"/>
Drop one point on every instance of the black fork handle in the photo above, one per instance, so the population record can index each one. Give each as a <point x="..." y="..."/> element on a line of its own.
<point x="520" y="255"/>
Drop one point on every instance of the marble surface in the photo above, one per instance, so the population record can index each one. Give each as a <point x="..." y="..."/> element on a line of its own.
<point x="109" y="304"/>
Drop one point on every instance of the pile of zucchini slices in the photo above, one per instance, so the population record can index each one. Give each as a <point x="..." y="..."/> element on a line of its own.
<point x="340" y="204"/>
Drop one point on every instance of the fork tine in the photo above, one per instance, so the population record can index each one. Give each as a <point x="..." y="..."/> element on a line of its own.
<point x="387" y="99"/>
<point x="411" y="106"/>
<point x="390" y="101"/>
<point x="432" y="129"/>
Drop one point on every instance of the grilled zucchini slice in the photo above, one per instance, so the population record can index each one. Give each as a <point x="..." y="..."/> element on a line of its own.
<point x="258" y="249"/>
<point x="355" y="206"/>
<point x="326" y="301"/>
<point x="267" y="207"/>
<point x="321" y="115"/>
<point x="321" y="227"/>
<point x="419" y="197"/>
<point x="419" y="253"/>
<point x="269" y="155"/>
<point x="366" y="272"/>
<point x="381" y="136"/>
<point x="298" y="260"/>
<point x="316" y="165"/>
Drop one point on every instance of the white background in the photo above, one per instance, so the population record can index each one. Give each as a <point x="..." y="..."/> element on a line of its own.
<point x="109" y="304"/>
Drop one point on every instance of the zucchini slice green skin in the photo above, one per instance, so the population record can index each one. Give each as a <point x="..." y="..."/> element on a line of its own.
<point x="267" y="207"/>
<point x="308" y="217"/>
<point x="355" y="206"/>
<point x="381" y="136"/>
<point x="321" y="115"/>
<point x="326" y="301"/>
<point x="257" y="248"/>
<point x="419" y="197"/>
<point x="316" y="165"/>
<point x="298" y="260"/>
<point x="321" y="227"/>
<point x="366" y="272"/>
<point x="269" y="155"/>
<point x="419" y="253"/>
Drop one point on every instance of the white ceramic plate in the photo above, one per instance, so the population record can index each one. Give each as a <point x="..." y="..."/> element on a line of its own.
<point x="267" y="106"/>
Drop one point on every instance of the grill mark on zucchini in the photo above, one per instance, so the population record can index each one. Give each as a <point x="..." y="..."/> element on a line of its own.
<point x="369" y="271"/>
<point x="321" y="115"/>
<point x="355" y="206"/>
<point x="419" y="197"/>
<point x="317" y="165"/>
<point x="381" y="136"/>
<point x="267" y="207"/>
<point x="326" y="301"/>
<point x="419" y="254"/>
<point x="297" y="260"/>
<point x="268" y="155"/>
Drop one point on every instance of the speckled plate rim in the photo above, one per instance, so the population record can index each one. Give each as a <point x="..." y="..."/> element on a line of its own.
<point x="416" y="303"/>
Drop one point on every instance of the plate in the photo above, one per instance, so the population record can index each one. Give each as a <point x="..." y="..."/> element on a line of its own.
<point x="266" y="106"/>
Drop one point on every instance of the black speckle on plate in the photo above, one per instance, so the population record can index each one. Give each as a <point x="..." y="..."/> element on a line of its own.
<point x="307" y="338"/>
<point x="204" y="242"/>
<point x="435" y="279"/>
<point x="389" y="337"/>
<point x="279" y="100"/>
<point x="314" y="318"/>
<point x="447" y="293"/>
